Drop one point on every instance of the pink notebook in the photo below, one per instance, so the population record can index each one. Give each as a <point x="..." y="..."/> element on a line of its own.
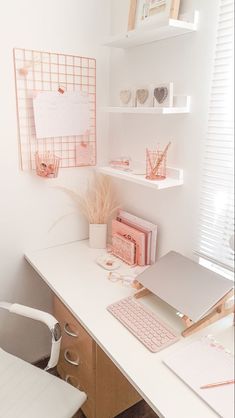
<point x="133" y="234"/>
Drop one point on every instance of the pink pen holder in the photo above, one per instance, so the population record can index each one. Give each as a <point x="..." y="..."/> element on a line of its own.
<point x="47" y="165"/>
<point x="155" y="164"/>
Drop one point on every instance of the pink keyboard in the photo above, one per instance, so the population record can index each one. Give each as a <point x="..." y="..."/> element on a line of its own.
<point x="143" y="324"/>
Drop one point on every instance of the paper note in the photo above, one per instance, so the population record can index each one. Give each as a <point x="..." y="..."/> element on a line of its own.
<point x="58" y="115"/>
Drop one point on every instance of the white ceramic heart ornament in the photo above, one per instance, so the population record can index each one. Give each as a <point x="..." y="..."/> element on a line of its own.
<point x="160" y="94"/>
<point x="125" y="96"/>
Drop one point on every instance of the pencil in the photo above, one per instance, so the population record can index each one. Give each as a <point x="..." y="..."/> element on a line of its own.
<point x="214" y="385"/>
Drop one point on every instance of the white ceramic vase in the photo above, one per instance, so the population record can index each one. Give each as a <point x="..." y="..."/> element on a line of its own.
<point x="98" y="235"/>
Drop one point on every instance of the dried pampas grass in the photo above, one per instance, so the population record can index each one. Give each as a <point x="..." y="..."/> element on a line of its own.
<point x="98" y="204"/>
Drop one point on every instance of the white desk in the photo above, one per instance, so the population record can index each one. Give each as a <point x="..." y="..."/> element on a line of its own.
<point x="72" y="274"/>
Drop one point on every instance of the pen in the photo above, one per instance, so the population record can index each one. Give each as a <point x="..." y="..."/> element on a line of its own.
<point x="214" y="385"/>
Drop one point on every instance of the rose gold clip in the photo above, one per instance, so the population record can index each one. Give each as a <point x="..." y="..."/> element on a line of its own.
<point x="61" y="90"/>
<point x="85" y="140"/>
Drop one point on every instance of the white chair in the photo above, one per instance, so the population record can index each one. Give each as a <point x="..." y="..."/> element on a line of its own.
<point x="29" y="392"/>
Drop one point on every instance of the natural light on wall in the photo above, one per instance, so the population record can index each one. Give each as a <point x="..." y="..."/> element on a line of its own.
<point x="216" y="225"/>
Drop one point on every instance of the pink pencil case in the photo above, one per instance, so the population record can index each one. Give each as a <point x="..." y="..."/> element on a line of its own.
<point x="124" y="249"/>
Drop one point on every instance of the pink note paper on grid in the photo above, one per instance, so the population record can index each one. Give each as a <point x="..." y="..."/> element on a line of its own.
<point x="85" y="154"/>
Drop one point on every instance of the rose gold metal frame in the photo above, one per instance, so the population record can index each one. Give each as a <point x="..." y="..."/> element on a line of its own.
<point x="46" y="71"/>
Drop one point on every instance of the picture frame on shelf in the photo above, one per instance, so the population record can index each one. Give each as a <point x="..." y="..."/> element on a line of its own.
<point x="152" y="12"/>
<point x="163" y="94"/>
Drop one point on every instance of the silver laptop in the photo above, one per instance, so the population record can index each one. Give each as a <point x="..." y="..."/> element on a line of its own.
<point x="185" y="285"/>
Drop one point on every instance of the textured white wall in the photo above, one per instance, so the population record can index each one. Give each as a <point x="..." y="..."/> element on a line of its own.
<point x="187" y="61"/>
<point x="30" y="205"/>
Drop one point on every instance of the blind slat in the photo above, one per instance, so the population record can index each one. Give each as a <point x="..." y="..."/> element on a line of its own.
<point x="216" y="217"/>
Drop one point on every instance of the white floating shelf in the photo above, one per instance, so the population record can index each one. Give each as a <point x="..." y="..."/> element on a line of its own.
<point x="174" y="177"/>
<point x="151" y="34"/>
<point x="182" y="105"/>
<point x="147" y="110"/>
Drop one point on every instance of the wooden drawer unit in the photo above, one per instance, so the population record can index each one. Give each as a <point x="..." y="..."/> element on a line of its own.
<point x="84" y="365"/>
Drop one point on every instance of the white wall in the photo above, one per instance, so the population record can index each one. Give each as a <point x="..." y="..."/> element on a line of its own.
<point x="186" y="61"/>
<point x="29" y="205"/>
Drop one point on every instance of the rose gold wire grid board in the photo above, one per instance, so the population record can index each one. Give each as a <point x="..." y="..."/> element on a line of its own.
<point x="46" y="71"/>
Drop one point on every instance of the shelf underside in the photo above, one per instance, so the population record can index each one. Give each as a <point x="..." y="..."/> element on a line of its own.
<point x="174" y="177"/>
<point x="182" y="104"/>
<point x="150" y="34"/>
<point x="147" y="110"/>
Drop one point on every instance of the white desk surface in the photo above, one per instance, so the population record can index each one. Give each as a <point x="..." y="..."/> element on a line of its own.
<point x="71" y="272"/>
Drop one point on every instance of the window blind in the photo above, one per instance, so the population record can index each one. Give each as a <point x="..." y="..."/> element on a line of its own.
<point x="216" y="225"/>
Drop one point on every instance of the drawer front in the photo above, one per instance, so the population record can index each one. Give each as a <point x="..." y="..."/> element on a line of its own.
<point x="84" y="347"/>
<point x="73" y="334"/>
<point x="73" y="378"/>
<point x="77" y="369"/>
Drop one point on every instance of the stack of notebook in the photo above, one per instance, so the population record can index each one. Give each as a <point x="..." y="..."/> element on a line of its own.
<point x="134" y="239"/>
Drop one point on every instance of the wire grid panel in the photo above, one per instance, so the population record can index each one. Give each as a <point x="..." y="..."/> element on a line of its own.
<point x="37" y="71"/>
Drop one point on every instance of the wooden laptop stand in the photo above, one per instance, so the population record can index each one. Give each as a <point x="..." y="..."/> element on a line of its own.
<point x="219" y="311"/>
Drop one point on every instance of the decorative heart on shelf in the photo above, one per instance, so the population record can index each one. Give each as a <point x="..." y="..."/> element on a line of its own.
<point x="160" y="94"/>
<point x="125" y="96"/>
<point x="142" y="95"/>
